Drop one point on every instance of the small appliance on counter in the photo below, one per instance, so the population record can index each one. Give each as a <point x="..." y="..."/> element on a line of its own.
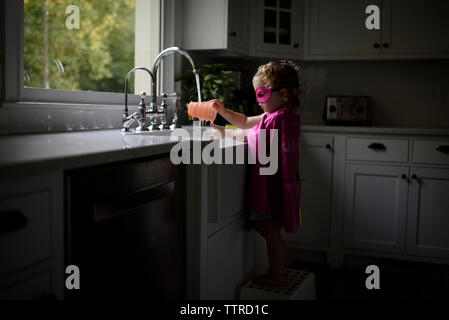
<point x="347" y="111"/>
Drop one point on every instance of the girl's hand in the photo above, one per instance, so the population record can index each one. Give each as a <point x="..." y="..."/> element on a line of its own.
<point x="220" y="129"/>
<point x="219" y="106"/>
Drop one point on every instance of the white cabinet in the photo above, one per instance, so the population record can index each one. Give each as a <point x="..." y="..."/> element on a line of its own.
<point x="277" y="28"/>
<point x="39" y="286"/>
<point x="233" y="256"/>
<point x="428" y="215"/>
<point x="375" y="207"/>
<point x="415" y="28"/>
<point x="336" y="30"/>
<point x="316" y="160"/>
<point x="216" y="24"/>
<point x="31" y="237"/>
<point x="397" y="208"/>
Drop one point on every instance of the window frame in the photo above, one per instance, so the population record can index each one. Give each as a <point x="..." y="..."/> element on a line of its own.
<point x="15" y="94"/>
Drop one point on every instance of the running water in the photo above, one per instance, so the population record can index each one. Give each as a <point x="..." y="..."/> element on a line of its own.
<point x="197" y="79"/>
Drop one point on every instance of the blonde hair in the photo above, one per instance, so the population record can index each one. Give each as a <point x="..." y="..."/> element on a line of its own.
<point x="283" y="74"/>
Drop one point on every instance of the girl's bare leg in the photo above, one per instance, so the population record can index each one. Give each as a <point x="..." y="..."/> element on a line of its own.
<point x="279" y="254"/>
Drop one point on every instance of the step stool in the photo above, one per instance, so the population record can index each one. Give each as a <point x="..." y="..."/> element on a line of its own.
<point x="300" y="286"/>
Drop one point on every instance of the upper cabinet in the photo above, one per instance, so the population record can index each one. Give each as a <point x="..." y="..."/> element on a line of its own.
<point x="336" y="30"/>
<point x="277" y="28"/>
<point x="216" y="24"/>
<point x="415" y="28"/>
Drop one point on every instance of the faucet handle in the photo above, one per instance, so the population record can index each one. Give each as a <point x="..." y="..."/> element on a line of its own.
<point x="142" y="98"/>
<point x="164" y="102"/>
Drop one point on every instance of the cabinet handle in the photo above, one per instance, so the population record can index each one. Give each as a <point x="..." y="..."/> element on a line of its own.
<point x="328" y="146"/>
<point x="376" y="45"/>
<point x="385" y="45"/>
<point x="414" y="176"/>
<point x="296" y="45"/>
<point x="377" y="146"/>
<point x="443" y="149"/>
<point x="404" y="176"/>
<point x="12" y="220"/>
<point x="112" y="206"/>
<point x="233" y="34"/>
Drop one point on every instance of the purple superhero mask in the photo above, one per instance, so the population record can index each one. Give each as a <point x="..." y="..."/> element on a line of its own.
<point x="263" y="94"/>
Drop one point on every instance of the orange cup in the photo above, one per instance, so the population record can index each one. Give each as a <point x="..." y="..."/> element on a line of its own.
<point x="203" y="110"/>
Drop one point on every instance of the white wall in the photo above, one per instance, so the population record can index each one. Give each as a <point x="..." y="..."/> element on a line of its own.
<point x="405" y="93"/>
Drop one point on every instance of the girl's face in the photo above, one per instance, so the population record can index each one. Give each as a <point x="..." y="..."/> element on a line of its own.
<point x="275" y="100"/>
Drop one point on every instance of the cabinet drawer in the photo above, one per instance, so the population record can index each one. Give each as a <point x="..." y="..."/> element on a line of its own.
<point x="24" y="230"/>
<point x="431" y="151"/>
<point x="37" y="287"/>
<point x="372" y="149"/>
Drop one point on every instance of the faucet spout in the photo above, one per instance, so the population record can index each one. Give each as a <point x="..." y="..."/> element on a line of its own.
<point x="158" y="61"/>
<point x="125" y="110"/>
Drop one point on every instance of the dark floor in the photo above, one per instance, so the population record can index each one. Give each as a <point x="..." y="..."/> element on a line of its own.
<point x="398" y="280"/>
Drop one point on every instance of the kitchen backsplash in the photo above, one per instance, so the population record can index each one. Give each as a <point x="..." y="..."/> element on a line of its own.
<point x="411" y="93"/>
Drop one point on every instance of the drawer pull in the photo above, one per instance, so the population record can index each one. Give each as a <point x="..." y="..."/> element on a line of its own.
<point x="443" y="148"/>
<point x="12" y="220"/>
<point x="377" y="146"/>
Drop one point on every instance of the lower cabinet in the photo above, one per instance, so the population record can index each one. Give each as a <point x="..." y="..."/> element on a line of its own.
<point x="397" y="209"/>
<point x="233" y="256"/>
<point x="316" y="158"/>
<point x="428" y="214"/>
<point x="375" y="207"/>
<point x="37" y="287"/>
<point x="31" y="237"/>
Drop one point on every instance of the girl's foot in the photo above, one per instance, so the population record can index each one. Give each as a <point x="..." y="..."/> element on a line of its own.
<point x="267" y="280"/>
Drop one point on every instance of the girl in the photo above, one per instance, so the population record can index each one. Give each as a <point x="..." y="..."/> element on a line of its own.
<point x="274" y="199"/>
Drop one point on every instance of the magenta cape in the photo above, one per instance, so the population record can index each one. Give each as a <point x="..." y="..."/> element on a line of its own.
<point x="277" y="195"/>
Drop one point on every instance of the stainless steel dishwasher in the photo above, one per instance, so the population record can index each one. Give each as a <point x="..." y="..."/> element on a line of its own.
<point x="125" y="230"/>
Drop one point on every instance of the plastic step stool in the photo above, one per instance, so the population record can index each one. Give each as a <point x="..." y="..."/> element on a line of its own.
<point x="300" y="286"/>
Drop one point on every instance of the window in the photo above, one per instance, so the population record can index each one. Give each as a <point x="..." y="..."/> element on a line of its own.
<point x="28" y="107"/>
<point x="78" y="45"/>
<point x="79" y="51"/>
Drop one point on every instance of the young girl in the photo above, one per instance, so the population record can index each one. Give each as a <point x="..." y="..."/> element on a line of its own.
<point x="274" y="199"/>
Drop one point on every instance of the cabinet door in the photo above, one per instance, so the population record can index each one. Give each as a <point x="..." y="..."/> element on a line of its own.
<point x="34" y="288"/>
<point x="375" y="207"/>
<point x="233" y="255"/>
<point x="338" y="28"/>
<point x="416" y="27"/>
<point x="428" y="215"/>
<point x="279" y="25"/>
<point x="316" y="170"/>
<point x="237" y="33"/>
<point x="215" y="24"/>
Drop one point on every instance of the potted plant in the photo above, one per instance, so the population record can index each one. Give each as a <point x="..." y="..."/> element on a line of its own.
<point x="216" y="83"/>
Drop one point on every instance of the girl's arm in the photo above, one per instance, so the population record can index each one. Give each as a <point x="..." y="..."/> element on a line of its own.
<point x="236" y="118"/>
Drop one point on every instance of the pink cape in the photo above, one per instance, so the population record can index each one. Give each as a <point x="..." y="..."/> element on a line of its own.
<point x="279" y="194"/>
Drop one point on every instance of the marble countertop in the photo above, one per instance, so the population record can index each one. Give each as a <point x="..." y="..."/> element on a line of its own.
<point x="69" y="150"/>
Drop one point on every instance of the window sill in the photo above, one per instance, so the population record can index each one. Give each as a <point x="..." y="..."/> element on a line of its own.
<point x="42" y="117"/>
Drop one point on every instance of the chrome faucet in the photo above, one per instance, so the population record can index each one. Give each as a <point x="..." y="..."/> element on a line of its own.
<point x="155" y="112"/>
<point x="140" y="117"/>
<point x="156" y="64"/>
